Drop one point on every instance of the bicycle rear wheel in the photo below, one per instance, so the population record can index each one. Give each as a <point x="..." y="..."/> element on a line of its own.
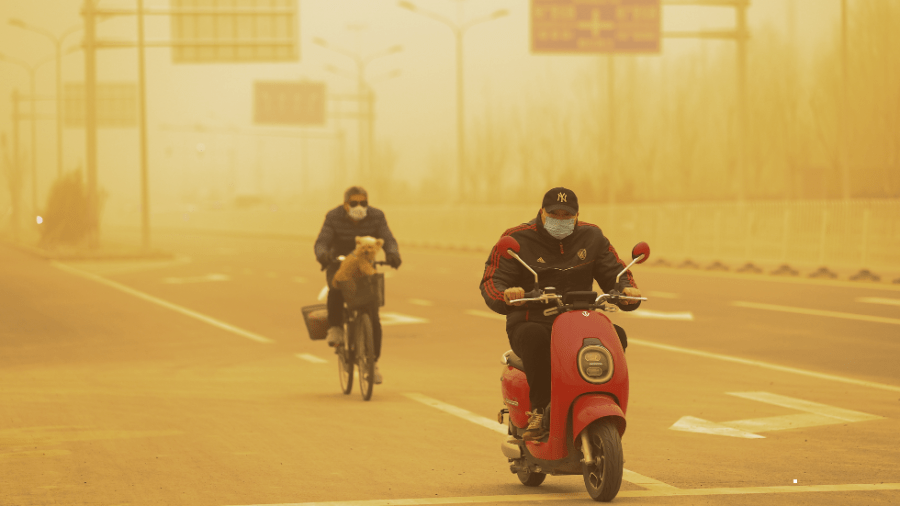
<point x="345" y="366"/>
<point x="365" y="355"/>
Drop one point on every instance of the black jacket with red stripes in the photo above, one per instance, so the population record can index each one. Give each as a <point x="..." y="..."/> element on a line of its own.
<point x="571" y="264"/>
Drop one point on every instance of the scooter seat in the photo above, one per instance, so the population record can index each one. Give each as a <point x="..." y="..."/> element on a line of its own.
<point x="513" y="360"/>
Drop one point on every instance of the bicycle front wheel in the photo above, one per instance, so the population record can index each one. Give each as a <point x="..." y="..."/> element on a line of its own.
<point x="365" y="355"/>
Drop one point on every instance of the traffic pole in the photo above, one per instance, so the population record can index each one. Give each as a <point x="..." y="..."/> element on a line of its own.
<point x="142" y="104"/>
<point x="90" y="121"/>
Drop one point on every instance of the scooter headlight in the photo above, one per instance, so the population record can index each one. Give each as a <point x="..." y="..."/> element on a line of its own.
<point x="595" y="364"/>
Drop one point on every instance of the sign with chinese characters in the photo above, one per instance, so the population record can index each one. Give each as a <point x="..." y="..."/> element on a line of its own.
<point x="234" y="31"/>
<point x="289" y="103"/>
<point x="596" y="26"/>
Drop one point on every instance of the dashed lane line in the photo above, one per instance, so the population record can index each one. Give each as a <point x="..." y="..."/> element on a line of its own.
<point x="168" y="305"/>
<point x="817" y="312"/>
<point x="766" y="365"/>
<point x="311" y="358"/>
<point x="485" y="314"/>
<point x="582" y="496"/>
<point x="879" y="300"/>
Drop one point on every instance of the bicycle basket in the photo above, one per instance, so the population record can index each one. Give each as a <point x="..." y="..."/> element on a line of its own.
<point x="316" y="318"/>
<point x="367" y="291"/>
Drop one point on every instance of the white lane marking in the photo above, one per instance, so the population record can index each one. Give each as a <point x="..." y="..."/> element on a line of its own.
<point x="485" y="314"/>
<point x="197" y="279"/>
<point x="815" y="415"/>
<point x="641" y="480"/>
<point x="312" y="358"/>
<point x="580" y="496"/>
<point x="817" y="312"/>
<point x="271" y="275"/>
<point x="644" y="481"/>
<point x="165" y="304"/>
<point x="421" y="302"/>
<point x="298" y="279"/>
<point x="460" y="412"/>
<point x="662" y="295"/>
<point x="879" y="300"/>
<point x="686" y="316"/>
<point x="765" y="365"/>
<point x="399" y="319"/>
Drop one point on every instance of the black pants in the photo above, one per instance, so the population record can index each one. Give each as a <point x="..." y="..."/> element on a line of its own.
<point x="531" y="342"/>
<point x="336" y="313"/>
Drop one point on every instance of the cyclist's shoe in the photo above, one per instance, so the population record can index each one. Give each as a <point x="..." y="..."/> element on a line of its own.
<point x="535" y="430"/>
<point x="377" y="376"/>
<point x="335" y="336"/>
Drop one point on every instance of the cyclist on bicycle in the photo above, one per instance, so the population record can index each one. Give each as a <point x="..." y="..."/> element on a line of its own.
<point x="338" y="237"/>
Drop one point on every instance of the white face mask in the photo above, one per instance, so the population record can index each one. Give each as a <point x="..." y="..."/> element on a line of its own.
<point x="559" y="229"/>
<point x="358" y="212"/>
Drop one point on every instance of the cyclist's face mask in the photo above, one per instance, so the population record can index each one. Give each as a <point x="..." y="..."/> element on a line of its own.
<point x="356" y="208"/>
<point x="559" y="228"/>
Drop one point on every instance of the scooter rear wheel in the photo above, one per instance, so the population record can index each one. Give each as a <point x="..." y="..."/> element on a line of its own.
<point x="531" y="479"/>
<point x="603" y="477"/>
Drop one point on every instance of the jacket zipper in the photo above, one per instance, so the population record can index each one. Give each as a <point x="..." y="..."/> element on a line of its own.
<point x="561" y="252"/>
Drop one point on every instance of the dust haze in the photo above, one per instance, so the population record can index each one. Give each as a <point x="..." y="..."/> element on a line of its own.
<point x="791" y="160"/>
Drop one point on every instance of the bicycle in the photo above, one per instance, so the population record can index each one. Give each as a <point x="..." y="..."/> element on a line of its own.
<point x="361" y="297"/>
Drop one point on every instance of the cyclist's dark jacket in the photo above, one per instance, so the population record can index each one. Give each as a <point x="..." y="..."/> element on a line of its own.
<point x="567" y="265"/>
<point x="338" y="234"/>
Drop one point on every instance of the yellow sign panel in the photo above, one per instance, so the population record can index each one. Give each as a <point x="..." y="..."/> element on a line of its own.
<point x="234" y="31"/>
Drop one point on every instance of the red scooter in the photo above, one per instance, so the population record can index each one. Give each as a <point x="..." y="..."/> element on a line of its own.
<point x="589" y="389"/>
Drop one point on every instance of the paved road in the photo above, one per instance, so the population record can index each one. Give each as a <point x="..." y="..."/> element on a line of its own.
<point x="193" y="382"/>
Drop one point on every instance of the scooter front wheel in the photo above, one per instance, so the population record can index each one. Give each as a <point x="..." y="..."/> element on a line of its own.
<point x="603" y="476"/>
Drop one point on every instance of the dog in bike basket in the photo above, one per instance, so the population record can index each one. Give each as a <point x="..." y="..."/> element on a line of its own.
<point x="359" y="263"/>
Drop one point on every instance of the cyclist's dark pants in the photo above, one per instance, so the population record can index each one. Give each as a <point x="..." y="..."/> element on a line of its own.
<point x="336" y="313"/>
<point x="531" y="342"/>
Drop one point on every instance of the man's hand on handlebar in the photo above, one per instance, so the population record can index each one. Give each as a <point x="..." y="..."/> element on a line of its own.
<point x="630" y="292"/>
<point x="513" y="294"/>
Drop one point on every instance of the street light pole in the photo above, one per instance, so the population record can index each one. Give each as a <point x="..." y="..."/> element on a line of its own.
<point x="57" y="43"/>
<point x="363" y="107"/>
<point x="32" y="69"/>
<point x="459" y="29"/>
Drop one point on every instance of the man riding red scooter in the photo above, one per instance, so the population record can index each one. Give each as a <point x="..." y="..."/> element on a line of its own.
<point x="561" y="343"/>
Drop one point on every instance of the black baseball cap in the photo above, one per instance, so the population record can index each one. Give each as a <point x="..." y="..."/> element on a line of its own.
<point x="560" y="198"/>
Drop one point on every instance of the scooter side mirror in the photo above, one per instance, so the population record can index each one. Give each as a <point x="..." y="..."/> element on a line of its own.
<point x="641" y="252"/>
<point x="509" y="247"/>
<point x="507" y="243"/>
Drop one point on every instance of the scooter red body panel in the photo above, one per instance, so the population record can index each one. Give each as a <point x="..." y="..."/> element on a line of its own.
<point x="569" y="332"/>
<point x="514" y="386"/>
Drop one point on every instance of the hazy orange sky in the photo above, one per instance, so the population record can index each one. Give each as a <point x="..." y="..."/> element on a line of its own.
<point x="415" y="110"/>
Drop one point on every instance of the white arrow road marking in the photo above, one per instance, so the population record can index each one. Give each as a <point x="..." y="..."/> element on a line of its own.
<point x="465" y="414"/>
<point x="485" y="314"/>
<point x="421" y="302"/>
<point x="815" y="415"/>
<point x="174" y="307"/>
<point x="399" y="319"/>
<point x="659" y="315"/>
<point x="879" y="300"/>
<point x="312" y="358"/>
<point x="197" y="279"/>
<point x="817" y="312"/>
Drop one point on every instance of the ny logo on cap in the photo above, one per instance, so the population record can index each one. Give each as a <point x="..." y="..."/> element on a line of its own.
<point x="561" y="197"/>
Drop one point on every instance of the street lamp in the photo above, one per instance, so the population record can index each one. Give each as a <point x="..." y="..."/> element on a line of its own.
<point x="459" y="29"/>
<point x="57" y="42"/>
<point x="361" y="63"/>
<point x="31" y="71"/>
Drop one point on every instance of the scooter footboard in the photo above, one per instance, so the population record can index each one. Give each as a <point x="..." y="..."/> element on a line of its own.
<point x="588" y="408"/>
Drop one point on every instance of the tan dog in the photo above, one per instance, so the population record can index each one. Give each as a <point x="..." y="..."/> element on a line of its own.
<point x="359" y="263"/>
